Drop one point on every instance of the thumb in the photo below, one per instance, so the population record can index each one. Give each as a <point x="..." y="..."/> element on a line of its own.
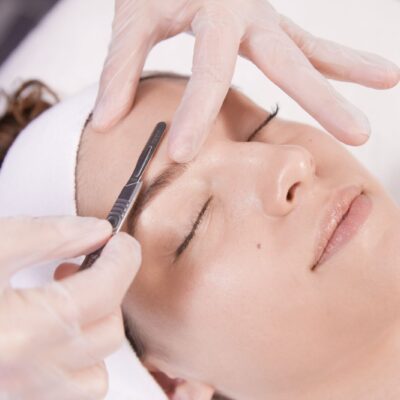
<point x="99" y="290"/>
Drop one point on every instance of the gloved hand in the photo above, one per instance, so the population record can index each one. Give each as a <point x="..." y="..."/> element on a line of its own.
<point x="292" y="58"/>
<point x="53" y="339"/>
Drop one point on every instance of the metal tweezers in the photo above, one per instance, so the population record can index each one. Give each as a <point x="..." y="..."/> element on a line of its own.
<point x="130" y="191"/>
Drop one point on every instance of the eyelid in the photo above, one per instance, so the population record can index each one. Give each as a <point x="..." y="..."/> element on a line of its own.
<point x="188" y="238"/>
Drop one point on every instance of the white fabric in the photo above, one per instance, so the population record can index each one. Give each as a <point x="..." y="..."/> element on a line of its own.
<point x="38" y="178"/>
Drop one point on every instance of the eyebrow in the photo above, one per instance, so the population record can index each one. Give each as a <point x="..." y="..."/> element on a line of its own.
<point x="153" y="188"/>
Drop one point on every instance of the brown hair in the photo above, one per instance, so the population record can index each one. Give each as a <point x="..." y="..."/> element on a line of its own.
<point x="30" y="100"/>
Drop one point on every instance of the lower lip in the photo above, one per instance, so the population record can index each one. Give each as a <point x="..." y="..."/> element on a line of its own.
<point x="357" y="214"/>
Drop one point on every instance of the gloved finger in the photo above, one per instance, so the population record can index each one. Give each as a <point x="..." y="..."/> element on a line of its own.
<point x="284" y="63"/>
<point x="35" y="380"/>
<point x="99" y="290"/>
<point x="62" y="308"/>
<point x="65" y="270"/>
<point x="28" y="241"/>
<point x="131" y="42"/>
<point x="341" y="62"/>
<point x="91" y="383"/>
<point x="215" y="54"/>
<point x="96" y="342"/>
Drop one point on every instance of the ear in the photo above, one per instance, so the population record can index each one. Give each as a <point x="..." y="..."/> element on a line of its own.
<point x="181" y="389"/>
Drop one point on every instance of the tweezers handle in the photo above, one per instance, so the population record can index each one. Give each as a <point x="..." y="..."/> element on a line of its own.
<point x="90" y="259"/>
<point x="116" y="217"/>
<point x="149" y="149"/>
<point x="130" y="191"/>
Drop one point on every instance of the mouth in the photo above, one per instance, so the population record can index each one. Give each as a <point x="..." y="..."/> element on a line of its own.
<point x="343" y="217"/>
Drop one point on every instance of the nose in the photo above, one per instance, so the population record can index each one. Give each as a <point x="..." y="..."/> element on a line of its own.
<point x="283" y="177"/>
<point x="275" y="176"/>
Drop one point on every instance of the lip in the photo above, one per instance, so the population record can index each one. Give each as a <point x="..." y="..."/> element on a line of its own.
<point x="344" y="215"/>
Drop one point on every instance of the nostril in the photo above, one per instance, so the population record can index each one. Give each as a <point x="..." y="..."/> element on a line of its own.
<point x="290" y="194"/>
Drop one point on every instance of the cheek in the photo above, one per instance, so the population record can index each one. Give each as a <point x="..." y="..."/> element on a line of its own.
<point x="253" y="310"/>
<point x="243" y="298"/>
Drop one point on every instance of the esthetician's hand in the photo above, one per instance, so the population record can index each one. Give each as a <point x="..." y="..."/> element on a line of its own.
<point x="292" y="58"/>
<point x="53" y="339"/>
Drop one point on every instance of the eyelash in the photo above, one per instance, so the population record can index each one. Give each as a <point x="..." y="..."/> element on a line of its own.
<point x="190" y="236"/>
<point x="199" y="217"/>
<point x="270" y="117"/>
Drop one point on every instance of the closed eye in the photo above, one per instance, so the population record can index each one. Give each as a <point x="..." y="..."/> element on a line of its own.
<point x="181" y="248"/>
<point x="188" y="238"/>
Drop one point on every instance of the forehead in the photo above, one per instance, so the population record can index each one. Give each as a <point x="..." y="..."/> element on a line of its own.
<point x="106" y="161"/>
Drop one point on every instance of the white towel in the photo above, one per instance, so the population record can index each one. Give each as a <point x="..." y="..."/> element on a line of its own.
<point x="37" y="179"/>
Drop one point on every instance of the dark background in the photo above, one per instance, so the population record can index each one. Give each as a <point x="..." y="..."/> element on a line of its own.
<point x="17" y="18"/>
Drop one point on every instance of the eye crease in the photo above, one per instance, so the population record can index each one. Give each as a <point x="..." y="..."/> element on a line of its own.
<point x="181" y="248"/>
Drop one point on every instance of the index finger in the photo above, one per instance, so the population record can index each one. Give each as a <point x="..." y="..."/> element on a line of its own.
<point x="28" y="241"/>
<point x="99" y="290"/>
<point x="215" y="54"/>
<point x="343" y="63"/>
<point x="285" y="64"/>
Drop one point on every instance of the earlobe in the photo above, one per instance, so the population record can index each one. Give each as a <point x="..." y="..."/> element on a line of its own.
<point x="189" y="390"/>
<point x="167" y="384"/>
<point x="180" y="389"/>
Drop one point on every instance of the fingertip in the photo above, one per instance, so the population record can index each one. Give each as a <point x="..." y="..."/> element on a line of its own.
<point x="114" y="102"/>
<point x="362" y="127"/>
<point x="387" y="76"/>
<point x="101" y="121"/>
<point x="102" y="225"/>
<point x="357" y="135"/>
<point x="355" y="139"/>
<point x="107" y="116"/>
<point x="349" y="124"/>
<point x="364" y="139"/>
<point x="130" y="242"/>
<point x="393" y="76"/>
<point x="181" y="152"/>
<point x="126" y="246"/>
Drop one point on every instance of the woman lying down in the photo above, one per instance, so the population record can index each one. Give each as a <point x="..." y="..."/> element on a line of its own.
<point x="270" y="262"/>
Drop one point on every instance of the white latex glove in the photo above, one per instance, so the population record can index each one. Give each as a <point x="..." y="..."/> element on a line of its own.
<point x="292" y="58"/>
<point x="53" y="339"/>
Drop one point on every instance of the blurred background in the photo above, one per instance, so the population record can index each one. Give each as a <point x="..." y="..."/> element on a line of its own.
<point x="17" y="19"/>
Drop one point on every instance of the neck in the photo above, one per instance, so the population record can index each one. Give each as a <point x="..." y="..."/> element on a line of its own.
<point x="373" y="374"/>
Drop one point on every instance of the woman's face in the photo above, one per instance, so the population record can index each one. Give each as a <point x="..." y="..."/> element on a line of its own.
<point x="241" y="309"/>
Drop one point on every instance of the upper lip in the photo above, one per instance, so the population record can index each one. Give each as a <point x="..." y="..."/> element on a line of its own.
<point x="333" y="214"/>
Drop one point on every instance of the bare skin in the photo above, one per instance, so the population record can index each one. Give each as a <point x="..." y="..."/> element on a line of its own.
<point x="241" y="311"/>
